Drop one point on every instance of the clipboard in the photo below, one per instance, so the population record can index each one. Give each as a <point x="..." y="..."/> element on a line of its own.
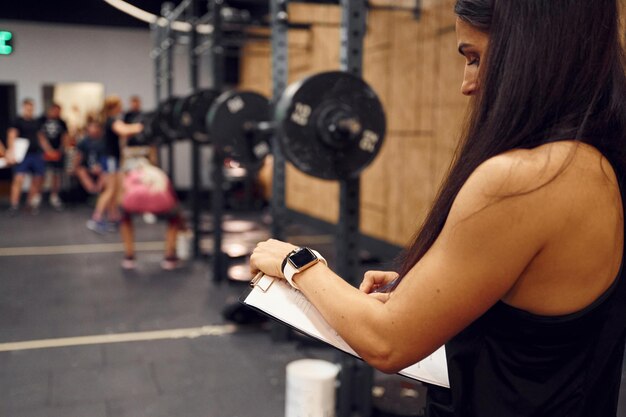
<point x="275" y="298"/>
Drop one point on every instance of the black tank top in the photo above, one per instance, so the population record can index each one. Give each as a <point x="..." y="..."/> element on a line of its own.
<point x="111" y="139"/>
<point x="511" y="363"/>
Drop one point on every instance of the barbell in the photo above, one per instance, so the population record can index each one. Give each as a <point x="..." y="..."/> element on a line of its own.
<point x="330" y="125"/>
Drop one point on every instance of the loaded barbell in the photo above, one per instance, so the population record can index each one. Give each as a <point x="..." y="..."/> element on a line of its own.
<point x="331" y="125"/>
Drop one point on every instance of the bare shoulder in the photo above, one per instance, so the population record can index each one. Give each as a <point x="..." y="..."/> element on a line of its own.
<point x="547" y="178"/>
<point x="555" y="164"/>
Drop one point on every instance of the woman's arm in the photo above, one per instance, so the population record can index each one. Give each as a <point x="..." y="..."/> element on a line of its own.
<point x="485" y="245"/>
<point x="126" y="129"/>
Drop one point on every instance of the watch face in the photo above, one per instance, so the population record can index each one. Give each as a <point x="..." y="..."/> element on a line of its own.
<point x="302" y="258"/>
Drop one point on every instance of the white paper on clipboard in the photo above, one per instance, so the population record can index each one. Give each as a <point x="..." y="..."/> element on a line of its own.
<point x="276" y="298"/>
<point x="20" y="146"/>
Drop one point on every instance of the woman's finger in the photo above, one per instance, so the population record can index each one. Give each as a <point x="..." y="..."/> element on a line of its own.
<point x="382" y="297"/>
<point x="375" y="279"/>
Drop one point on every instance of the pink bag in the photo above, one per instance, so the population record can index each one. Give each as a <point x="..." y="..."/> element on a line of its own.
<point x="147" y="189"/>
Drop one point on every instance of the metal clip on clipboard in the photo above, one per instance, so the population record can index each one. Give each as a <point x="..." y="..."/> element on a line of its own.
<point x="262" y="282"/>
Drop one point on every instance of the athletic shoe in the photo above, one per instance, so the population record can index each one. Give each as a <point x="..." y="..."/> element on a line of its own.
<point x="129" y="263"/>
<point x="149" y="218"/>
<point x="169" y="263"/>
<point x="97" y="226"/>
<point x="56" y="202"/>
<point x="35" y="201"/>
<point x="112" y="227"/>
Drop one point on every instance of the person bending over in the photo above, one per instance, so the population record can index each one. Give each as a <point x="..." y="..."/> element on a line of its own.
<point x="517" y="268"/>
<point x="147" y="189"/>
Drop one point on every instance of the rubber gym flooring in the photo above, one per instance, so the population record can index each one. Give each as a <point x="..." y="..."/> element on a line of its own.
<point x="80" y="337"/>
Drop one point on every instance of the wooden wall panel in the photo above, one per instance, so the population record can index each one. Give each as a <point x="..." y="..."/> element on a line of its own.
<point x="321" y="14"/>
<point x="255" y="69"/>
<point x="415" y="69"/>
<point x="312" y="196"/>
<point x="405" y="73"/>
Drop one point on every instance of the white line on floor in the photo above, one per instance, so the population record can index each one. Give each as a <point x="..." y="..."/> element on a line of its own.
<point x="139" y="247"/>
<point x="74" y="249"/>
<point x="190" y="333"/>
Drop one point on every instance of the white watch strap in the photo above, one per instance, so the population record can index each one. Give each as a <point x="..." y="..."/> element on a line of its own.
<point x="290" y="271"/>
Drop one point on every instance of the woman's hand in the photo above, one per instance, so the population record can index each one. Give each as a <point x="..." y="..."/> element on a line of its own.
<point x="268" y="257"/>
<point x="10" y="157"/>
<point x="375" y="280"/>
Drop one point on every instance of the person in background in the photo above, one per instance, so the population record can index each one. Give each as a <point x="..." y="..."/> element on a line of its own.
<point x="137" y="147"/>
<point x="147" y="189"/>
<point x="28" y="127"/>
<point x="87" y="162"/>
<point x="55" y="130"/>
<point x="134" y="110"/>
<point x="116" y="133"/>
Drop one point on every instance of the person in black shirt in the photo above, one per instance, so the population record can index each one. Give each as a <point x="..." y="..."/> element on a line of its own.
<point x="116" y="132"/>
<point x="140" y="148"/>
<point x="133" y="115"/>
<point x="55" y="130"/>
<point x="518" y="265"/>
<point x="27" y="127"/>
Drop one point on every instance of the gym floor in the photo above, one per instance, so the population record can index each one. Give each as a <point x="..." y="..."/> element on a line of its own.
<point x="60" y="281"/>
<point x="156" y="345"/>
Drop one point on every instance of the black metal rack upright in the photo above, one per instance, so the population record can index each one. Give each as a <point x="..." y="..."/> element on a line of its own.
<point x="280" y="53"/>
<point x="205" y="42"/>
<point x="280" y="67"/>
<point x="354" y="393"/>
<point x="196" y="148"/>
<point x="217" y="195"/>
<point x="165" y="39"/>
<point x="355" y="379"/>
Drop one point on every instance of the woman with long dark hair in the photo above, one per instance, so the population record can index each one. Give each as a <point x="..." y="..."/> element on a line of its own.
<point x="517" y="269"/>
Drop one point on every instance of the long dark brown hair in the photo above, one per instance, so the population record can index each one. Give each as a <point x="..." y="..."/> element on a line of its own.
<point x="554" y="70"/>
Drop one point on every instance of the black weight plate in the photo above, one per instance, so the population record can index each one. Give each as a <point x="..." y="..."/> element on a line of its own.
<point x="148" y="135"/>
<point x="190" y="114"/>
<point x="305" y="113"/>
<point x="230" y="122"/>
<point x="166" y="124"/>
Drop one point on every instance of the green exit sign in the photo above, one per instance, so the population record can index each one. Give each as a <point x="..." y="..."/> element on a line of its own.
<point x="6" y="47"/>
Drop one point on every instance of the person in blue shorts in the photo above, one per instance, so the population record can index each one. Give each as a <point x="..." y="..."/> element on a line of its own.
<point x="28" y="127"/>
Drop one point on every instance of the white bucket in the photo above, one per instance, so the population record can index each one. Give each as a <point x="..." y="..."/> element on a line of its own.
<point x="184" y="239"/>
<point x="310" y="388"/>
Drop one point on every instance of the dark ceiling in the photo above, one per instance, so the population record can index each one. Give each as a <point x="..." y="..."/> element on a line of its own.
<point x="97" y="12"/>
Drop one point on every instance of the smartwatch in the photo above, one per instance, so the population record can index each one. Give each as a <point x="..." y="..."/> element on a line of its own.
<point x="299" y="260"/>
